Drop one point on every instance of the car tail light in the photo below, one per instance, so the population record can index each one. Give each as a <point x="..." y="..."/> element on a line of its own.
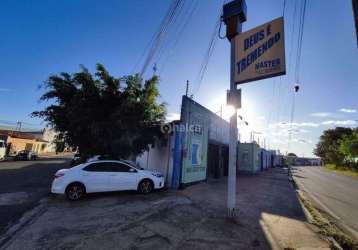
<point x="58" y="175"/>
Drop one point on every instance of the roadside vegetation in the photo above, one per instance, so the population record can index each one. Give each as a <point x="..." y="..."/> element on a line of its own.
<point x="338" y="148"/>
<point x="99" y="114"/>
<point x="342" y="170"/>
<point x="327" y="228"/>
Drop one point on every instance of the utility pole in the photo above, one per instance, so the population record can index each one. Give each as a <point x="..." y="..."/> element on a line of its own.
<point x="234" y="13"/>
<point x="154" y="69"/>
<point x="187" y="88"/>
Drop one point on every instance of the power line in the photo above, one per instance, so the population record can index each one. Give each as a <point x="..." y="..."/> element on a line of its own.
<point x="187" y="16"/>
<point x="297" y="67"/>
<point x="284" y="7"/>
<point x="159" y="35"/>
<point x="208" y="54"/>
<point x="168" y="40"/>
<point x="300" y="40"/>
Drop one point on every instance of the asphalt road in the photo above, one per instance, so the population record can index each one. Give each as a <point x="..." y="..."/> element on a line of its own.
<point x="23" y="184"/>
<point x="334" y="194"/>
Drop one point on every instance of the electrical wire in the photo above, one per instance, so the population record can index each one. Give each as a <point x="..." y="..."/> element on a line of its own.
<point x="178" y="35"/>
<point x="159" y="35"/>
<point x="169" y="38"/>
<point x="300" y="41"/>
<point x="208" y="54"/>
<point x="297" y="67"/>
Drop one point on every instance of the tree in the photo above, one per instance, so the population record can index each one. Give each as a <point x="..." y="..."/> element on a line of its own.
<point x="349" y="146"/>
<point x="328" y="146"/>
<point x="101" y="114"/>
<point x="292" y="154"/>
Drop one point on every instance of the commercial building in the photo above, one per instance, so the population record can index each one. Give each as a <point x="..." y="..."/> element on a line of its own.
<point x="196" y="148"/>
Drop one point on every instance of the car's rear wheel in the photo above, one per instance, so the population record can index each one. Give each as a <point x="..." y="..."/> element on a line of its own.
<point x="145" y="186"/>
<point x="75" y="191"/>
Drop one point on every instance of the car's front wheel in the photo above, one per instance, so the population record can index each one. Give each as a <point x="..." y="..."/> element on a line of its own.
<point x="145" y="186"/>
<point x="75" y="191"/>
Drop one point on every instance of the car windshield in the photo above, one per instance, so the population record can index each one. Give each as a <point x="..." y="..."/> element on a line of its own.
<point x="132" y="163"/>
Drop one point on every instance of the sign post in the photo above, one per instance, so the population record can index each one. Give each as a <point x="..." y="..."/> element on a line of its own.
<point x="234" y="13"/>
<point x="255" y="54"/>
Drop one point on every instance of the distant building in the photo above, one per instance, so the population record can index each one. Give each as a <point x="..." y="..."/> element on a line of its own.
<point x="249" y="158"/>
<point x="253" y="159"/>
<point x="303" y="161"/>
<point x="40" y="141"/>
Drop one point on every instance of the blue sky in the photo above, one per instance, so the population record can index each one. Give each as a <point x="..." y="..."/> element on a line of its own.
<point x="39" y="38"/>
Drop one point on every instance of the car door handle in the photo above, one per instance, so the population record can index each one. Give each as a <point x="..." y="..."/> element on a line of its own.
<point x="112" y="175"/>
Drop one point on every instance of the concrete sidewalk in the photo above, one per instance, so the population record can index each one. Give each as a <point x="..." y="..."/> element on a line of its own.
<point x="195" y="218"/>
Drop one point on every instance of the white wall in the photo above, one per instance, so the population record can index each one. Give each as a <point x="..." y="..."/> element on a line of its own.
<point x="49" y="135"/>
<point x="160" y="159"/>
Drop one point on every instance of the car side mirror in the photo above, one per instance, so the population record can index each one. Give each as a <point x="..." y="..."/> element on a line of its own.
<point x="132" y="170"/>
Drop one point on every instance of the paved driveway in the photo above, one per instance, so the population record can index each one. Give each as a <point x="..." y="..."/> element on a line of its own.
<point x="335" y="194"/>
<point x="23" y="184"/>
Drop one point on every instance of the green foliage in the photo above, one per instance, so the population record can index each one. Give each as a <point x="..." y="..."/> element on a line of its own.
<point x="349" y="146"/>
<point x="328" y="147"/>
<point x="101" y="114"/>
<point x="347" y="169"/>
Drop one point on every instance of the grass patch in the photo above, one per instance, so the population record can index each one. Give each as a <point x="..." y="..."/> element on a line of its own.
<point x="341" y="170"/>
<point x="327" y="228"/>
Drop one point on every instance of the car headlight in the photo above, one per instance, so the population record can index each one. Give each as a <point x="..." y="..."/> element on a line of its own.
<point x="157" y="175"/>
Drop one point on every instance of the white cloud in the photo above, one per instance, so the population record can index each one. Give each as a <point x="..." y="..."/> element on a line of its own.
<point x="260" y="117"/>
<point x="296" y="124"/>
<point x="340" y="123"/>
<point x="307" y="124"/>
<point x="172" y="117"/>
<point x="321" y="114"/>
<point x="303" y="141"/>
<point x="298" y="130"/>
<point x="346" y="110"/>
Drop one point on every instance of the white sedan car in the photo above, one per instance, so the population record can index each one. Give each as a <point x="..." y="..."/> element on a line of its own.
<point x="104" y="176"/>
